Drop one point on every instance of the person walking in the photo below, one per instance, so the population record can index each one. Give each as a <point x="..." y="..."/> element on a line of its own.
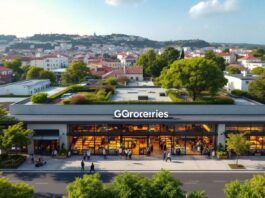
<point x="69" y="153"/>
<point x="126" y="154"/>
<point x="168" y="156"/>
<point x="104" y="153"/>
<point x="120" y="152"/>
<point x="92" y="168"/>
<point x="164" y="155"/>
<point x="32" y="158"/>
<point x="88" y="154"/>
<point x="82" y="165"/>
<point x="130" y="154"/>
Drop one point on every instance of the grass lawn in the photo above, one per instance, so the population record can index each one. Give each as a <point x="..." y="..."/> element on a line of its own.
<point x="236" y="166"/>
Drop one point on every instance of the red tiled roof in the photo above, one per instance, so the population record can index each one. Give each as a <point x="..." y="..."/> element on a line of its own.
<point x="5" y="69"/>
<point x="250" y="58"/>
<point x="134" y="70"/>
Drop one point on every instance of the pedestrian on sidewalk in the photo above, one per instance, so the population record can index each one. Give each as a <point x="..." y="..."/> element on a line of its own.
<point x="104" y="153"/>
<point x="82" y="165"/>
<point x="120" y="152"/>
<point x="92" y="168"/>
<point x="88" y="154"/>
<point x="213" y="154"/>
<point x="32" y="158"/>
<point x="69" y="153"/>
<point x="168" y="156"/>
<point x="84" y="156"/>
<point x="126" y="154"/>
<point x="164" y="155"/>
<point x="130" y="154"/>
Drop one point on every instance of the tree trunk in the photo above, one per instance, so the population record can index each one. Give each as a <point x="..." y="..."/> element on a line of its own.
<point x="237" y="160"/>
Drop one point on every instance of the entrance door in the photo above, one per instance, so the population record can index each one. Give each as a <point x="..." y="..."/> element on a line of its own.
<point x="138" y="145"/>
<point x="45" y="147"/>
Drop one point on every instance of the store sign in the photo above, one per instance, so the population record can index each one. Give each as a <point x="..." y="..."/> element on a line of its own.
<point x="140" y="115"/>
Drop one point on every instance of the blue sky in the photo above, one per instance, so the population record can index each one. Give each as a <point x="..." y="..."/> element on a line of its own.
<point x="211" y="20"/>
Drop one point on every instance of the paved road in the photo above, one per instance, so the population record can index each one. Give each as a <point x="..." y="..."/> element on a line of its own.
<point x="55" y="183"/>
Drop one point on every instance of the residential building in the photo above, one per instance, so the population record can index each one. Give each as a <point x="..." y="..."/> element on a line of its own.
<point x="251" y="62"/>
<point x="239" y="81"/>
<point x="230" y="58"/>
<point x="134" y="73"/>
<point x="50" y="62"/>
<point x="25" y="87"/>
<point x="5" y="75"/>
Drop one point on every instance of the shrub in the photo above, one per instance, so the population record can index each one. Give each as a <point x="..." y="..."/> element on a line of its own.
<point x="111" y="81"/>
<point x="78" y="99"/>
<point x="39" y="98"/>
<point x="58" y="94"/>
<point x="11" y="161"/>
<point x="239" y="93"/>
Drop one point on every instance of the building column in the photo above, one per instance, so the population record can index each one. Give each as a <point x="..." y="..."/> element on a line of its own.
<point x="63" y="137"/>
<point x="221" y="134"/>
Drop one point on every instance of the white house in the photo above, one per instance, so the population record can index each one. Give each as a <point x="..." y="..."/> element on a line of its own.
<point x="230" y="58"/>
<point x="134" y="73"/>
<point x="50" y="62"/>
<point x="239" y="81"/>
<point x="251" y="62"/>
<point x="25" y="87"/>
<point x="127" y="59"/>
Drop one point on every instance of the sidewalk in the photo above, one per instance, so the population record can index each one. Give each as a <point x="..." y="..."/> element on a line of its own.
<point x="143" y="163"/>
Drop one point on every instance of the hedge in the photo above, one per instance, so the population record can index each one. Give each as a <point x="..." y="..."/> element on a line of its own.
<point x="11" y="161"/>
<point x="239" y="93"/>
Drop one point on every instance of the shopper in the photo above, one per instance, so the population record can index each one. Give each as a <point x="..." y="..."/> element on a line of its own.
<point x="88" y="154"/>
<point x="69" y="153"/>
<point x="130" y="154"/>
<point x="126" y="154"/>
<point x="168" y="156"/>
<point x="120" y="152"/>
<point x="164" y="155"/>
<point x="92" y="168"/>
<point x="82" y="165"/>
<point x="104" y="153"/>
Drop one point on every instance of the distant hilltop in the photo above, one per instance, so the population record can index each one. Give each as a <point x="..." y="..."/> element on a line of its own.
<point x="131" y="41"/>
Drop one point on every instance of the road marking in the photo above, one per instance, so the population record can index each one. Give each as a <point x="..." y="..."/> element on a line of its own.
<point x="191" y="182"/>
<point x="41" y="183"/>
<point x="220" y="181"/>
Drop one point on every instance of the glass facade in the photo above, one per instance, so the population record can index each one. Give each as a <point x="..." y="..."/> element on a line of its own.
<point x="179" y="139"/>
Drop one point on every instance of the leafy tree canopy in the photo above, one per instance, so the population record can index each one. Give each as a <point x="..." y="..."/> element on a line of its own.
<point x="17" y="190"/>
<point x="14" y="135"/>
<point x="253" y="188"/>
<point x="45" y="74"/>
<point x="220" y="61"/>
<point x="256" y="88"/>
<point x="75" y="73"/>
<point x="258" y="70"/>
<point x="15" y="65"/>
<point x="195" y="74"/>
<point x="233" y="70"/>
<point x="237" y="143"/>
<point x="33" y="72"/>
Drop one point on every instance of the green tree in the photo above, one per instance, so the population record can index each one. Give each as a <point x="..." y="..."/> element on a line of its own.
<point x="233" y="70"/>
<point x="253" y="188"/>
<point x="195" y="74"/>
<point x="163" y="184"/>
<point x="258" y="52"/>
<point x="33" y="72"/>
<point x="258" y="70"/>
<point x="170" y="55"/>
<point x="111" y="81"/>
<point x="15" y="65"/>
<point x="17" y="190"/>
<point x="45" y="74"/>
<point x="89" y="186"/>
<point x="147" y="61"/>
<point x="237" y="143"/>
<point x="127" y="185"/>
<point x="220" y="61"/>
<point x="39" y="98"/>
<point x="256" y="88"/>
<point x="75" y="73"/>
<point x="14" y="135"/>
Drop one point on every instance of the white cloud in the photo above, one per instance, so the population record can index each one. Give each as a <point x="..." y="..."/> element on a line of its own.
<point x="119" y="2"/>
<point x="213" y="7"/>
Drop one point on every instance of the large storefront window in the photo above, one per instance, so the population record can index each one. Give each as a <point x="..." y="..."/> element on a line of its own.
<point x="194" y="140"/>
<point x="245" y="128"/>
<point x="256" y="143"/>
